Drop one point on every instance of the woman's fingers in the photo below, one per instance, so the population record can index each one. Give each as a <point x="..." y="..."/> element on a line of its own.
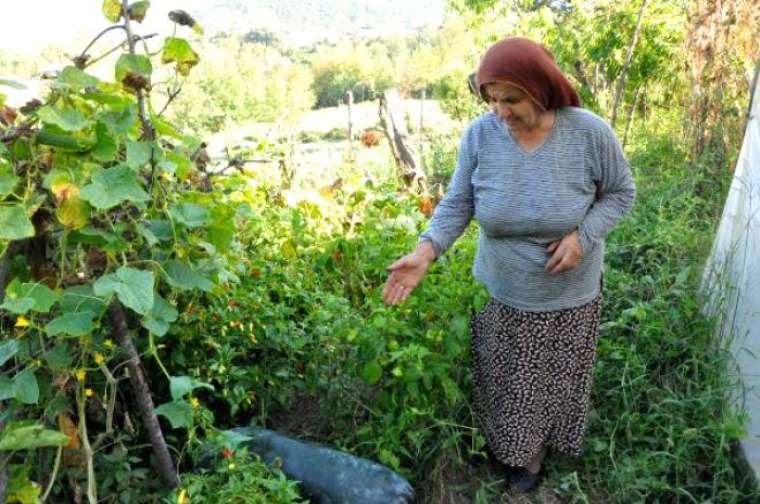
<point x="553" y="246"/>
<point x="401" y="263"/>
<point x="397" y="294"/>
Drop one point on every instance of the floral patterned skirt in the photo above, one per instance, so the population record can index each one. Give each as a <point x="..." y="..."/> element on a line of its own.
<point x="532" y="377"/>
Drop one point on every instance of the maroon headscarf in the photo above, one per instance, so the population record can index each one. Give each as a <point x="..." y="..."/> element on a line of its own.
<point x="531" y="67"/>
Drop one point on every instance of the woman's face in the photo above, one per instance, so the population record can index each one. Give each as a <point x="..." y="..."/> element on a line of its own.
<point x="514" y="106"/>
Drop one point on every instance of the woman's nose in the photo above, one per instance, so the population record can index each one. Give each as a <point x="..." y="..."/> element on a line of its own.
<point x="504" y="111"/>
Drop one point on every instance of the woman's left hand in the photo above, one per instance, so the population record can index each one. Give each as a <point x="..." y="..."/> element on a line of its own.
<point x="566" y="254"/>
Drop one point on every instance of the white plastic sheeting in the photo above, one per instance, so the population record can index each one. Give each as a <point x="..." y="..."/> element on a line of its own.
<point x="732" y="278"/>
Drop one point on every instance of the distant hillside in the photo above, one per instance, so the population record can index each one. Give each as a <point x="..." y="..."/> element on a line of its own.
<point x="304" y="21"/>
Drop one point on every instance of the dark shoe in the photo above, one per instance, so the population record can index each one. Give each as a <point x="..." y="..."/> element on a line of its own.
<point x="523" y="481"/>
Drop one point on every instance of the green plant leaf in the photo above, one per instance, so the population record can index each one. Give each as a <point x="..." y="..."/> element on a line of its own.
<point x="221" y="231"/>
<point x="161" y="229"/>
<point x="181" y="276"/>
<point x="106" y="240"/>
<point x="120" y="121"/>
<point x="26" y="435"/>
<point x="372" y="372"/>
<point x="74" y="213"/>
<point x="18" y="297"/>
<point x="81" y="298"/>
<point x="8" y="349"/>
<point x="74" y="79"/>
<point x="71" y="324"/>
<point x="182" y="164"/>
<point x="133" y="287"/>
<point x="14" y="224"/>
<point x="6" y="388"/>
<point x="179" y="413"/>
<point x="112" y="10"/>
<point x="178" y="50"/>
<point x="26" y="388"/>
<point x="190" y="214"/>
<point x="183" y="385"/>
<point x="107" y="148"/>
<point x="58" y="357"/>
<point x="8" y="183"/>
<point x="133" y="66"/>
<point x="160" y="317"/>
<point x="230" y="439"/>
<point x="155" y="326"/>
<point x="138" y="10"/>
<point x="113" y="186"/>
<point x="66" y="119"/>
<point x="138" y="153"/>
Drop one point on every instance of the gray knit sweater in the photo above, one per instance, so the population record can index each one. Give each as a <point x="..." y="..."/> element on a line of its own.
<point x="577" y="178"/>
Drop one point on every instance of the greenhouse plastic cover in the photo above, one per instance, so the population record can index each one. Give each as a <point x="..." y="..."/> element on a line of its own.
<point x="732" y="280"/>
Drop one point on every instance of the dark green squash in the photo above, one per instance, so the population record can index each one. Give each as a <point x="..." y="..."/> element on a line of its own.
<point x="329" y="476"/>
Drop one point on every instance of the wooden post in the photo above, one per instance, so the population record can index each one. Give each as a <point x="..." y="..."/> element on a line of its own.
<point x="394" y="126"/>
<point x="348" y="99"/>
<point x="422" y="125"/>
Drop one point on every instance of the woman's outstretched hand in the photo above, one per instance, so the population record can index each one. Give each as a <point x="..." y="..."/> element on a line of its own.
<point x="566" y="254"/>
<point x="407" y="273"/>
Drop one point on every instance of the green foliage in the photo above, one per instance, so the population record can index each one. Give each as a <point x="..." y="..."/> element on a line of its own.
<point x="237" y="82"/>
<point x="237" y="479"/>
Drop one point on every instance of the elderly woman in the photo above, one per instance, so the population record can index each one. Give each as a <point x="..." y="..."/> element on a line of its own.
<point x="546" y="180"/>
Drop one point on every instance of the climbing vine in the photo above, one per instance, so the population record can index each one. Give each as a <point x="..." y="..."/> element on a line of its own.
<point x="107" y="227"/>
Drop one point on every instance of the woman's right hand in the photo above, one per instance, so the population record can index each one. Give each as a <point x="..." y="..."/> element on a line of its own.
<point x="407" y="273"/>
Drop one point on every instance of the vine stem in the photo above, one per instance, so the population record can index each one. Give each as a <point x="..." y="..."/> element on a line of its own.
<point x="53" y="476"/>
<point x="92" y="488"/>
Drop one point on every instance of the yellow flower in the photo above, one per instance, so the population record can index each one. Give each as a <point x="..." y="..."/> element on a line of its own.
<point x="99" y="358"/>
<point x="88" y="392"/>
<point x="231" y="466"/>
<point x="80" y="374"/>
<point x="108" y="344"/>
<point x="195" y="402"/>
<point x="22" y="322"/>
<point x="182" y="497"/>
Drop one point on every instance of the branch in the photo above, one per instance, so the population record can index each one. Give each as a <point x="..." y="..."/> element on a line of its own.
<point x="148" y="132"/>
<point x="91" y="62"/>
<point x="164" y="462"/>
<point x="628" y="58"/>
<point x="172" y="96"/>
<point x="82" y="58"/>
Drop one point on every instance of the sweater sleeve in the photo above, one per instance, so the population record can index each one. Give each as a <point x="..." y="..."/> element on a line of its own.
<point x="455" y="210"/>
<point x="615" y="190"/>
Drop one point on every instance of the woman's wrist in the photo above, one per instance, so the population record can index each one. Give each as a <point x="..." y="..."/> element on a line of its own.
<point x="426" y="251"/>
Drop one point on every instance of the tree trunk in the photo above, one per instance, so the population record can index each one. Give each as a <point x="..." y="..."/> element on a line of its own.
<point x="164" y="462"/>
<point x="624" y="71"/>
<point x="392" y="121"/>
<point x="631" y="114"/>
